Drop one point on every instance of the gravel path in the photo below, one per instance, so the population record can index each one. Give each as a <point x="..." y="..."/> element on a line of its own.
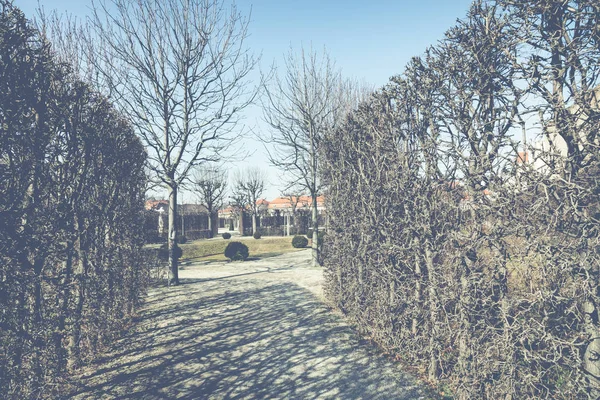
<point x="252" y="330"/>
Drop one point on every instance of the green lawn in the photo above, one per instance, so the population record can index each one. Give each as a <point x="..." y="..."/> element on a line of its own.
<point x="212" y="250"/>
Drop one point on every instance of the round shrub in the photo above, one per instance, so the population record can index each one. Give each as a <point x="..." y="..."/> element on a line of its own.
<point x="236" y="251"/>
<point x="163" y="252"/>
<point x="181" y="239"/>
<point x="256" y="235"/>
<point x="299" y="242"/>
<point x="226" y="235"/>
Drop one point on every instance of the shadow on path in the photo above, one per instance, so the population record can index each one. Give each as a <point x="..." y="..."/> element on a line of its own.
<point x="242" y="338"/>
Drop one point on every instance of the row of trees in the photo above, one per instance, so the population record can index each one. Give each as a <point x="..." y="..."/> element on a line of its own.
<point x="247" y="188"/>
<point x="72" y="184"/>
<point x="451" y="249"/>
<point x="210" y="185"/>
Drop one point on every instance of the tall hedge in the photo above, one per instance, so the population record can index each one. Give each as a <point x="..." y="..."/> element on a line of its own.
<point x="72" y="185"/>
<point x="476" y="264"/>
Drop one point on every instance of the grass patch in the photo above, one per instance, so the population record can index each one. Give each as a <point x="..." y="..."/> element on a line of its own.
<point x="212" y="250"/>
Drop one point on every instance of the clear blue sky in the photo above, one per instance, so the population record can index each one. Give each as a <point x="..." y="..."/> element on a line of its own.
<point x="369" y="40"/>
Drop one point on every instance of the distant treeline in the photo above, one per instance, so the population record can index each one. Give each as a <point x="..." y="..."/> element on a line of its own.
<point x="71" y="215"/>
<point x="476" y="264"/>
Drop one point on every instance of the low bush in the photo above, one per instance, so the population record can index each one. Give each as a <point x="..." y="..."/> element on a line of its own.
<point x="153" y="237"/>
<point x="163" y="252"/>
<point x="181" y="239"/>
<point x="272" y="231"/>
<point x="299" y="242"/>
<point x="200" y="234"/>
<point x="236" y="251"/>
<point x="256" y="235"/>
<point x="226" y="235"/>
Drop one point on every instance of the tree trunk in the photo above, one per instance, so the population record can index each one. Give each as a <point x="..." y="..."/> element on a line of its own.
<point x="61" y="352"/>
<point x="464" y="353"/>
<point x="172" y="232"/>
<point x="241" y="223"/>
<point x="37" y="317"/>
<point x="591" y="365"/>
<point x="315" y="233"/>
<point x="287" y="218"/>
<point x="418" y="297"/>
<point x="17" y="356"/>
<point x="73" y="359"/>
<point x="433" y="368"/>
<point x="253" y="223"/>
<point x="214" y="223"/>
<point x="183" y="225"/>
<point x="79" y="288"/>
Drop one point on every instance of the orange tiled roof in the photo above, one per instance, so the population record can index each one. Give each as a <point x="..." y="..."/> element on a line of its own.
<point x="282" y="203"/>
<point x="153" y="204"/>
<point x="303" y="201"/>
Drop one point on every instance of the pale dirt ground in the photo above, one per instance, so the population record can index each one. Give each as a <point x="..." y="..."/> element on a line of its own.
<point x="251" y="330"/>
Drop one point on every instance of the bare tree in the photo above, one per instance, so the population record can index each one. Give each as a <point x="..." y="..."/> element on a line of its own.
<point x="237" y="203"/>
<point x="210" y="185"/>
<point x="249" y="186"/>
<point x="481" y="100"/>
<point x="180" y="70"/>
<point x="559" y="65"/>
<point x="301" y="106"/>
<point x="292" y="193"/>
